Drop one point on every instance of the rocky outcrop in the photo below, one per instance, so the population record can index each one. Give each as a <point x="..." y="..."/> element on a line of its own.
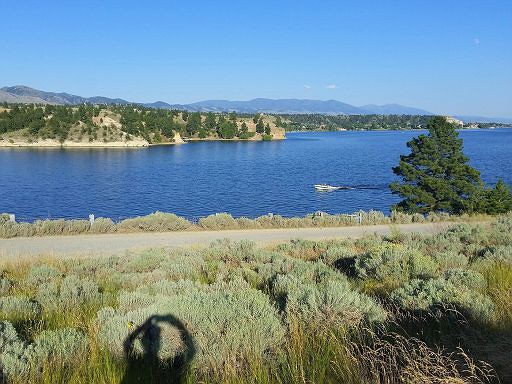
<point x="177" y="139"/>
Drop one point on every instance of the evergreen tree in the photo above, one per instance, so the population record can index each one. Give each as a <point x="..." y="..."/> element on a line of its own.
<point x="499" y="199"/>
<point x="244" y="128"/>
<point x="228" y="130"/>
<point x="260" y="127"/>
<point x="184" y="115"/>
<point x="267" y="129"/>
<point x="256" y="118"/>
<point x="194" y="123"/>
<point x="435" y="175"/>
<point x="209" y="122"/>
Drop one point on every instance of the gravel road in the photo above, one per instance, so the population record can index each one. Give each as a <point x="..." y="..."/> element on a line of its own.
<point x="108" y="244"/>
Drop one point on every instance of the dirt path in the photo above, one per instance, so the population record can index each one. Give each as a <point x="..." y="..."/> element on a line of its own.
<point x="85" y="245"/>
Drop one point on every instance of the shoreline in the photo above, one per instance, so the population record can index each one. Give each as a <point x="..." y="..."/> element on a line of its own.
<point x="391" y="130"/>
<point x="115" y="144"/>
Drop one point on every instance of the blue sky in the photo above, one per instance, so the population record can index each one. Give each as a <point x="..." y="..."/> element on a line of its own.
<point x="450" y="56"/>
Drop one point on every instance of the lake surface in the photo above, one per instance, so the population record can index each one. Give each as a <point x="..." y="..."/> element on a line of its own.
<point x="242" y="178"/>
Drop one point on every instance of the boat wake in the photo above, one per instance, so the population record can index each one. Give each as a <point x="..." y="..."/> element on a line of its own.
<point x="331" y="188"/>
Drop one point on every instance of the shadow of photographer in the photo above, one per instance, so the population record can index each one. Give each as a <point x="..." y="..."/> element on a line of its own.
<point x="149" y="368"/>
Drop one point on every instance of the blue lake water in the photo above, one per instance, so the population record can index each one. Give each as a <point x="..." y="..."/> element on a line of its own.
<point x="242" y="178"/>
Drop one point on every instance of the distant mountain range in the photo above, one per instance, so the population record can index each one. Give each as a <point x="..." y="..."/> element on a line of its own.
<point x="24" y="94"/>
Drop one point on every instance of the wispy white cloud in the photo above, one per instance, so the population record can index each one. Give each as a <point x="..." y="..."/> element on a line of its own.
<point x="307" y="87"/>
<point x="331" y="86"/>
<point x="476" y="40"/>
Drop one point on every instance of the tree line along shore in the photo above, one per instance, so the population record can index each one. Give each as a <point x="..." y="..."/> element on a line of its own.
<point x="128" y="126"/>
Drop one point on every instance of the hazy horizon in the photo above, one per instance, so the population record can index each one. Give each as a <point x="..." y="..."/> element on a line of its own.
<point x="444" y="58"/>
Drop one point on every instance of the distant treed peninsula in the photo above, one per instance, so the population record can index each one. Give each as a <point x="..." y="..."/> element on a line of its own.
<point x="124" y="126"/>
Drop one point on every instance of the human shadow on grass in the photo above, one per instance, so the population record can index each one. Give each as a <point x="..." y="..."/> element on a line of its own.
<point x="148" y="368"/>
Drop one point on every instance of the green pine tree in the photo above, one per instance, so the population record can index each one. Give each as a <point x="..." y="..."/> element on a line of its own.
<point x="210" y="123"/>
<point x="499" y="199"/>
<point x="436" y="176"/>
<point x="193" y="123"/>
<point x="260" y="126"/>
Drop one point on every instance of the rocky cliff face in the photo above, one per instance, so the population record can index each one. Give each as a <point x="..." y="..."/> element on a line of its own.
<point x="177" y="139"/>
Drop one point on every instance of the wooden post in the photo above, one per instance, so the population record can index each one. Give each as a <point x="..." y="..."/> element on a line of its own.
<point x="91" y="219"/>
<point x="360" y="218"/>
<point x="12" y="217"/>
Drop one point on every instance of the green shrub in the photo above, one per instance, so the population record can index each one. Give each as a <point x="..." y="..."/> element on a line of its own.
<point x="19" y="308"/>
<point x="405" y="218"/>
<point x="436" y="217"/>
<point x="219" y="221"/>
<point x="5" y="286"/>
<point x="13" y="361"/>
<point x="466" y="278"/>
<point x="278" y="221"/>
<point x="336" y="253"/>
<point x="225" y="321"/>
<point x="40" y="274"/>
<point x="246" y="135"/>
<point x="303" y="249"/>
<point x="134" y="279"/>
<point x="9" y="229"/>
<point x="393" y="262"/>
<point x="102" y="225"/>
<point x="60" y="227"/>
<point x="144" y="261"/>
<point x="246" y="223"/>
<point x="332" y="302"/>
<point x="184" y="265"/>
<point x="500" y="253"/>
<point x="18" y="360"/>
<point x="230" y="251"/>
<point x="427" y="294"/>
<point x="155" y="222"/>
<point x="4" y="218"/>
<point x="73" y="292"/>
<point x="374" y="217"/>
<point x="134" y="300"/>
<point x="64" y="346"/>
<point x="450" y="259"/>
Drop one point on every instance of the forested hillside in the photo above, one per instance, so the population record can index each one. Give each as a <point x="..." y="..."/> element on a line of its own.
<point x="352" y="122"/>
<point x="88" y="123"/>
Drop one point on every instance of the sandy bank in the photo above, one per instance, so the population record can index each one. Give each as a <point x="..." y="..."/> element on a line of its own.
<point x="50" y="143"/>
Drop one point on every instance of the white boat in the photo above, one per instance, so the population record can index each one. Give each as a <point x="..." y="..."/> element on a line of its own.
<point x="326" y="187"/>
